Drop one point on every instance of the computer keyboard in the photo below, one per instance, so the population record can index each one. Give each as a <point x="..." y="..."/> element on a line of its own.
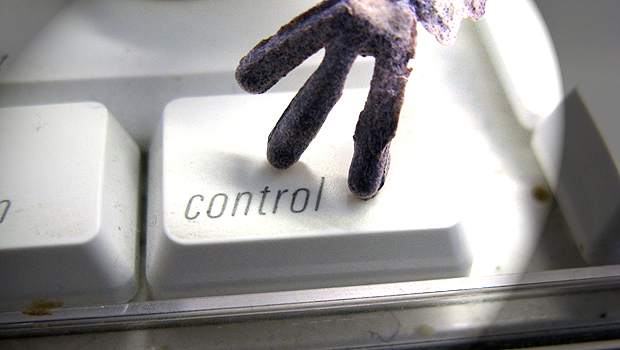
<point x="467" y="196"/>
<point x="453" y="182"/>
<point x="436" y="217"/>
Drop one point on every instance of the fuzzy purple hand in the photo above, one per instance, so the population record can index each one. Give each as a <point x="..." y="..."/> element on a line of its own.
<point x="385" y="29"/>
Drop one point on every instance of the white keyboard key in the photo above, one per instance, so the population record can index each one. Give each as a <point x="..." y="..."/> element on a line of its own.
<point x="222" y="220"/>
<point x="588" y="182"/>
<point x="575" y="142"/>
<point x="531" y="78"/>
<point x="588" y="189"/>
<point x="577" y="150"/>
<point x="68" y="206"/>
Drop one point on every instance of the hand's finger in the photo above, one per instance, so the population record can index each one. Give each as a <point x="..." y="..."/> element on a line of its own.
<point x="274" y="57"/>
<point x="306" y="113"/>
<point x="377" y="125"/>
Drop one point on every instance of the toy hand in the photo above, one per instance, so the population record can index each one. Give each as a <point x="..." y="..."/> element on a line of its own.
<point x="385" y="29"/>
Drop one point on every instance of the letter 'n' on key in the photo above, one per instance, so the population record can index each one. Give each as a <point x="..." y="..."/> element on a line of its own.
<point x="248" y="202"/>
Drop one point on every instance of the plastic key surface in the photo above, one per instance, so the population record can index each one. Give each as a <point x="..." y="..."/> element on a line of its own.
<point x="68" y="206"/>
<point x="222" y="220"/>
